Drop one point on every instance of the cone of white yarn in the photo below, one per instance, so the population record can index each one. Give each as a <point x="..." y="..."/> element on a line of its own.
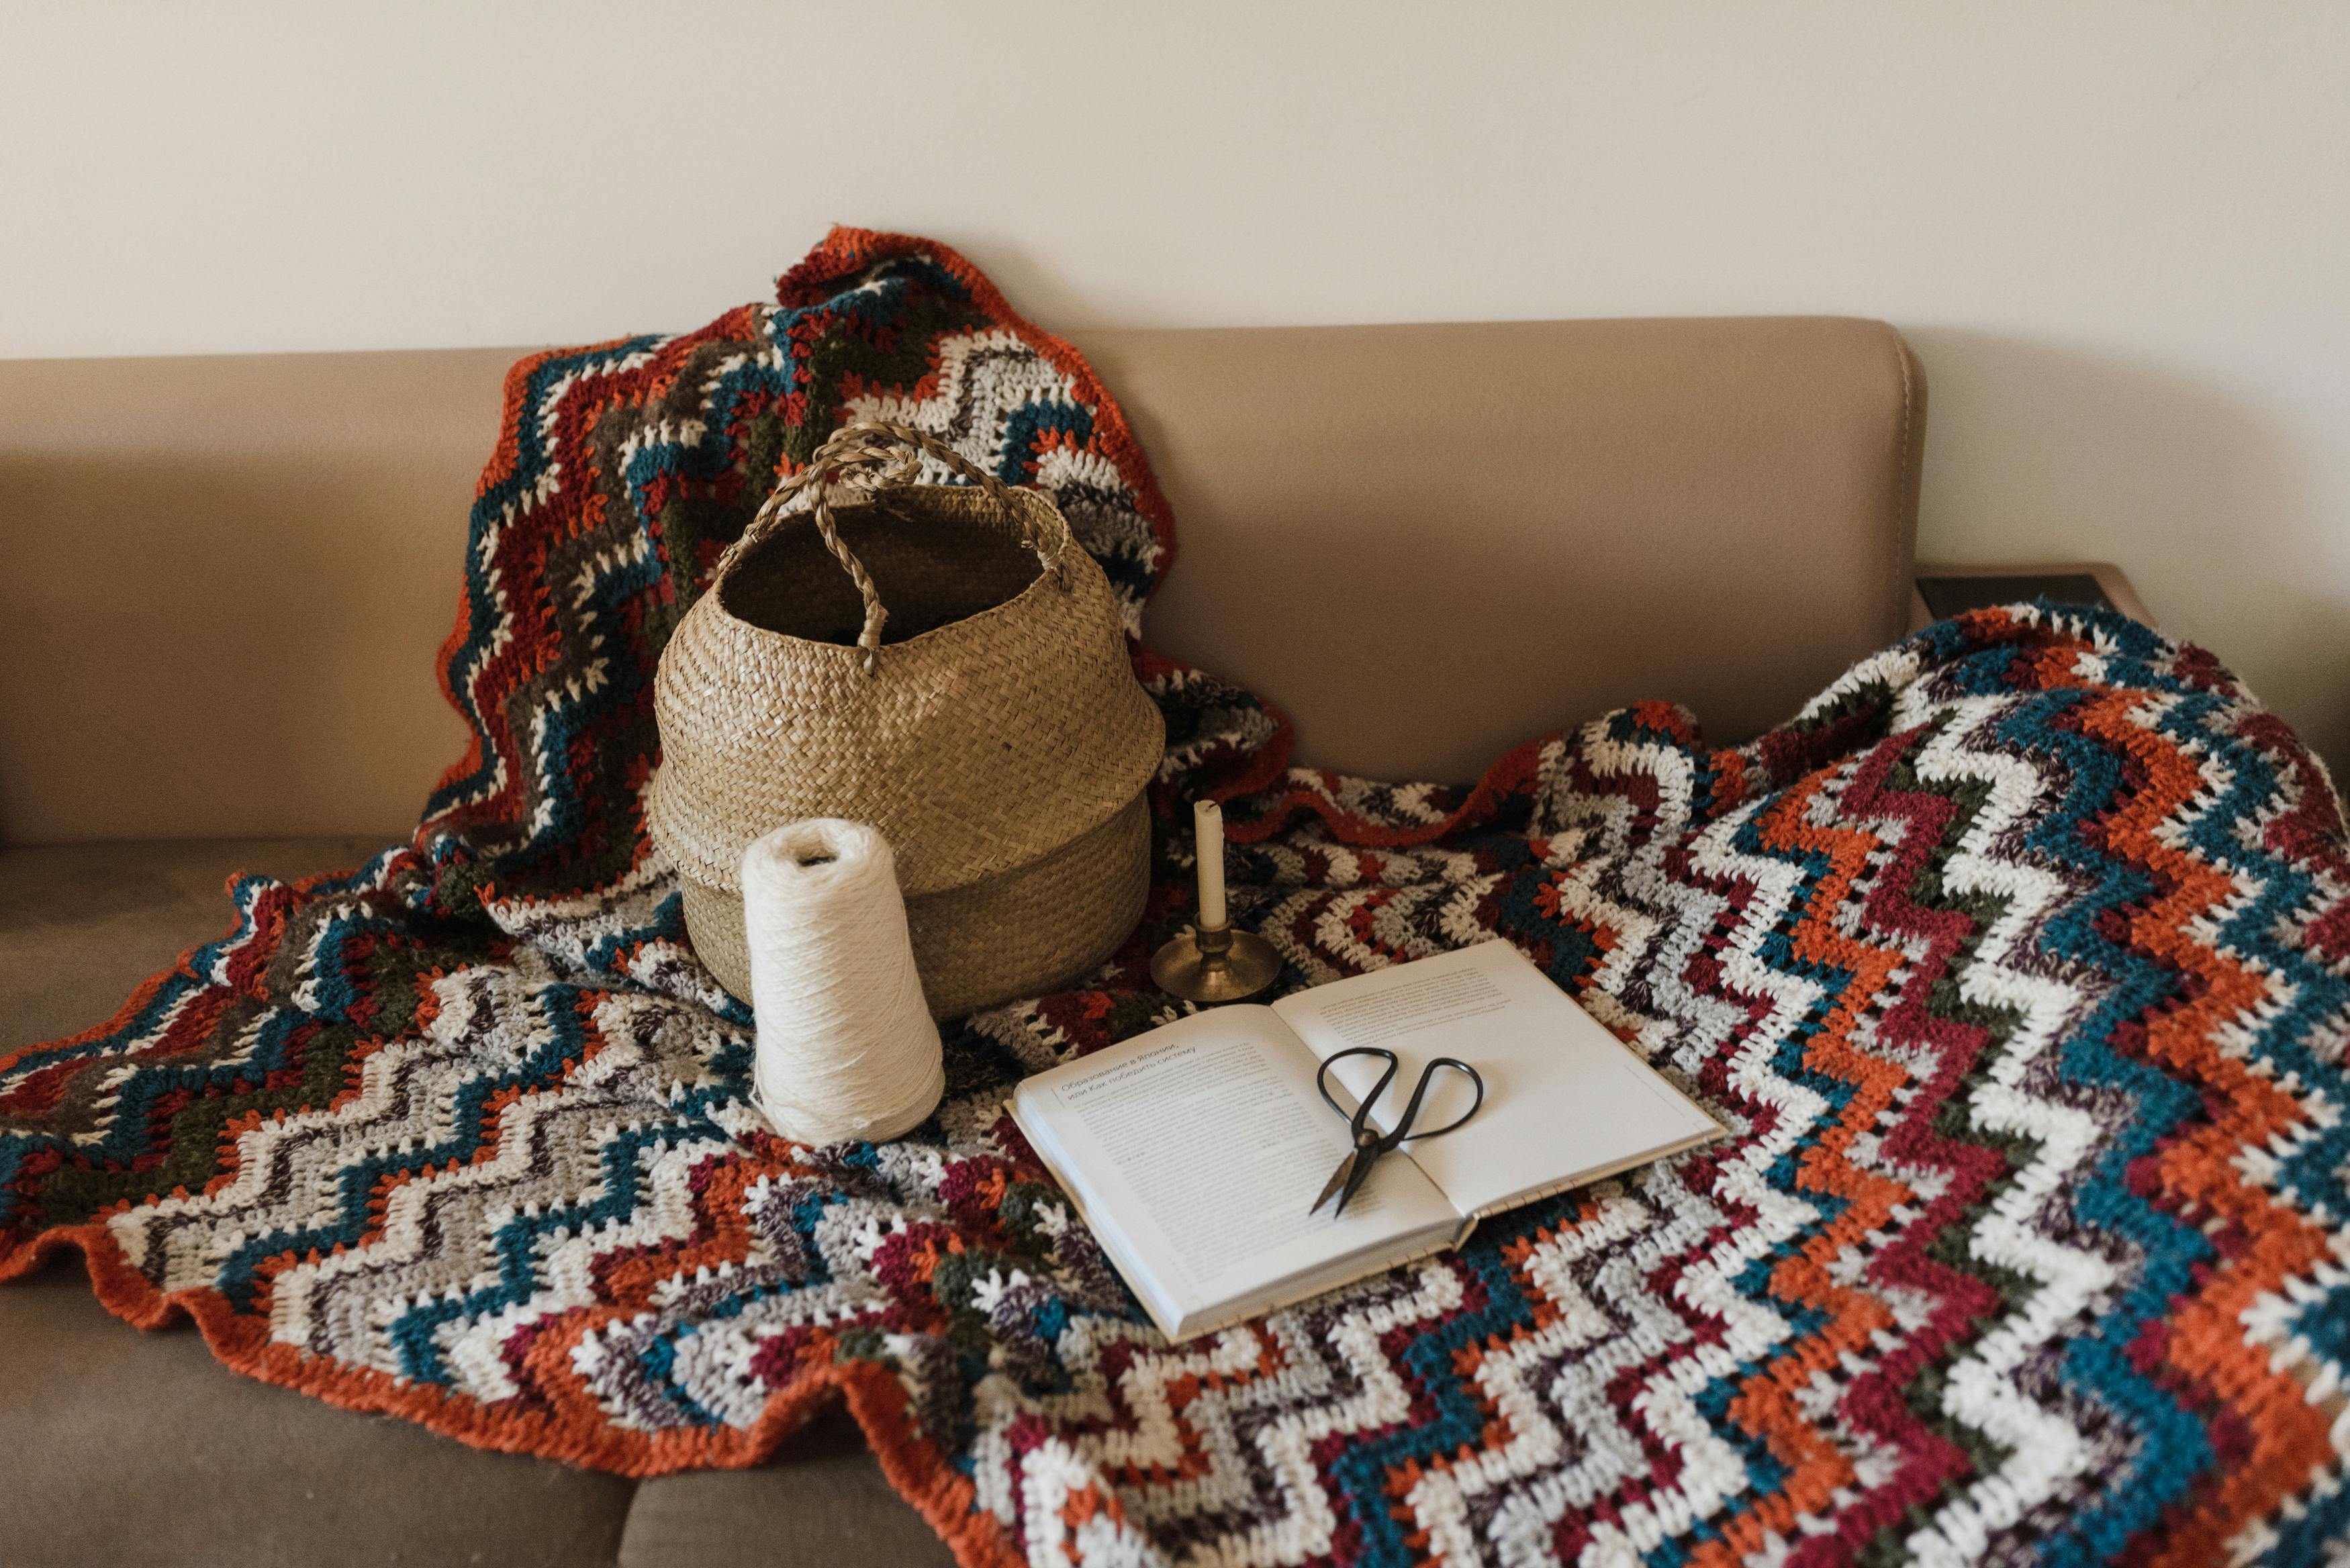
<point x="847" y="1048"/>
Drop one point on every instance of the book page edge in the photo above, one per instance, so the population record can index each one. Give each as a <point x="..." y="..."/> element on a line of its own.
<point x="1085" y="1217"/>
<point x="1284" y="1304"/>
<point x="1602" y="1172"/>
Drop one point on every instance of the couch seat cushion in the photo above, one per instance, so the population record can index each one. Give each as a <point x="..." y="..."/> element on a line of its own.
<point x="822" y="1504"/>
<point x="131" y="1448"/>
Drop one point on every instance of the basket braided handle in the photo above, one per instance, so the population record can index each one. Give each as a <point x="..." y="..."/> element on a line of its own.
<point x="868" y="457"/>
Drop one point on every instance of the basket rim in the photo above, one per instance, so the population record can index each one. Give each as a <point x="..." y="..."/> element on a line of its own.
<point x="718" y="667"/>
<point x="1074" y="560"/>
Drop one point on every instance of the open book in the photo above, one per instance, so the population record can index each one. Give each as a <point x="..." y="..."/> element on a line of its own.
<point x="1195" y="1150"/>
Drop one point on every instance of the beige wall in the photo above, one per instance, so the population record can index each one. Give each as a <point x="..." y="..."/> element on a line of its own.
<point x="2119" y="234"/>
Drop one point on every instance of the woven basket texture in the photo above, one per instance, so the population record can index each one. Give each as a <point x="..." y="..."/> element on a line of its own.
<point x="1073" y="908"/>
<point x="993" y="731"/>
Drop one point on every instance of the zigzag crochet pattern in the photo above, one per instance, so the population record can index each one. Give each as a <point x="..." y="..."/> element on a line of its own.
<point x="2015" y="962"/>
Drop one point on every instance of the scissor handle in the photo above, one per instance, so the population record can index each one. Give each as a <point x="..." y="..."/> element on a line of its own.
<point x="1404" y="1130"/>
<point x="1361" y="1116"/>
<point x="1403" y="1127"/>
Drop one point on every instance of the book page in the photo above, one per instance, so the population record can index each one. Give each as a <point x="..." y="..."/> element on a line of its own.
<point x="1196" y="1151"/>
<point x="1566" y="1101"/>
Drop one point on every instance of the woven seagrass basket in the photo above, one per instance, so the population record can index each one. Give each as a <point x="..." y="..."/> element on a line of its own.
<point x="997" y="736"/>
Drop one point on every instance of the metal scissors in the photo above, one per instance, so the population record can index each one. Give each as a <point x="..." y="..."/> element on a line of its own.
<point x="1369" y="1143"/>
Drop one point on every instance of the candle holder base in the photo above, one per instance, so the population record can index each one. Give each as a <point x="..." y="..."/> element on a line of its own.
<point x="1219" y="964"/>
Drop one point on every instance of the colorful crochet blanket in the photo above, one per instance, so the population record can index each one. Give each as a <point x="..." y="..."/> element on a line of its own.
<point x="2018" y="962"/>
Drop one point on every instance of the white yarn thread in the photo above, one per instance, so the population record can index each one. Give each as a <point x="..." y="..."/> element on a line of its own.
<point x="847" y="1048"/>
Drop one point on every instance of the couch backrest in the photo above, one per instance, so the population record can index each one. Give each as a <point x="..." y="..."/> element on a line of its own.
<point x="1427" y="543"/>
<point x="227" y="577"/>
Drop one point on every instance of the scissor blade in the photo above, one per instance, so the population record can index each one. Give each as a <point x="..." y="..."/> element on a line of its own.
<point x="1337" y="1181"/>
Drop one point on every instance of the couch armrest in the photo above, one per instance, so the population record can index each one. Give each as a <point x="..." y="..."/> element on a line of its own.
<point x="2013" y="580"/>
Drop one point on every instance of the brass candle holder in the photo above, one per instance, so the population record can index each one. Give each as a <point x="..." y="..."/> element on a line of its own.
<point x="1212" y="961"/>
<point x="1215" y="964"/>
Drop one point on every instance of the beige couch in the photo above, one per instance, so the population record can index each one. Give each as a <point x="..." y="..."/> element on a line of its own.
<point x="229" y="577"/>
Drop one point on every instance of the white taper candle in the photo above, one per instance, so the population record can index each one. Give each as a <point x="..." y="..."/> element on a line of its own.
<point x="1207" y="823"/>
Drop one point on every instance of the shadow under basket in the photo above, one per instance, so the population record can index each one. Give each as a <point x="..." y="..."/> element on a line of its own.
<point x="1070" y="918"/>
